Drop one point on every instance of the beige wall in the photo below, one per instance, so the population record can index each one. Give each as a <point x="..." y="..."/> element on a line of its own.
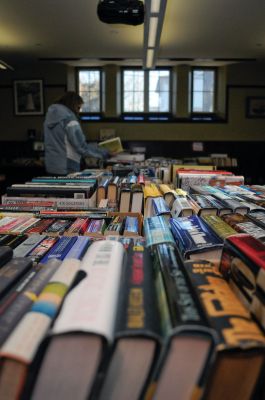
<point x="242" y="80"/>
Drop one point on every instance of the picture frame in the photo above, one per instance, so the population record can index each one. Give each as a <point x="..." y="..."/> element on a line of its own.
<point x="28" y="97"/>
<point x="255" y="107"/>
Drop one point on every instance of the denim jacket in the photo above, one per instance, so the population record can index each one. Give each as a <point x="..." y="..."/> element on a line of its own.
<point x="65" y="142"/>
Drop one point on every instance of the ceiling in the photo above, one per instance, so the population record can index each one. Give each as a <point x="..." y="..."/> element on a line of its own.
<point x="70" y="31"/>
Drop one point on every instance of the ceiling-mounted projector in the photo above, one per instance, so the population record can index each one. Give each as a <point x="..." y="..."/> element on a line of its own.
<point x="129" y="12"/>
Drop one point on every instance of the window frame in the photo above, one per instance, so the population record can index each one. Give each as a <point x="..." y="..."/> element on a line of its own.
<point x="91" y="115"/>
<point x="197" y="114"/>
<point x="145" y="115"/>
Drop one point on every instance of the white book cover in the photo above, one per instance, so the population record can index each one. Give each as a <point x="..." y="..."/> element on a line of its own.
<point x="91" y="306"/>
<point x="181" y="207"/>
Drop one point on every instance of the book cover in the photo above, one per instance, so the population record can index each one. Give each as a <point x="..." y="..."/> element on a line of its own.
<point x="125" y="198"/>
<point x="112" y="191"/>
<point x="242" y="224"/>
<point x="195" y="240"/>
<point x="42" y="248"/>
<point x="137" y="337"/>
<point x="75" y="192"/>
<point x="86" y="322"/>
<point x="21" y="346"/>
<point x="157" y="231"/>
<point x="59" y="249"/>
<point x="219" y="226"/>
<point x="113" y="145"/>
<point x="150" y="191"/>
<point x="258" y="217"/>
<point x="205" y="206"/>
<point x="181" y="207"/>
<point x="188" y="338"/>
<point x="96" y="228"/>
<point x="243" y="265"/>
<point x="20" y="299"/>
<point x="77" y="227"/>
<point x="102" y="189"/>
<point x="160" y="207"/>
<point x="131" y="226"/>
<point x="116" y="226"/>
<point x="241" y="343"/>
<point x="23" y="249"/>
<point x="58" y="227"/>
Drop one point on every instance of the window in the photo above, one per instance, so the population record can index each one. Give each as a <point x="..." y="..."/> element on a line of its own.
<point x="146" y="91"/>
<point x="203" y="90"/>
<point x="89" y="88"/>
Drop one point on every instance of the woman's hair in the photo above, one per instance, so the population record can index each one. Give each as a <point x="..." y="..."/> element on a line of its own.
<point x="71" y="100"/>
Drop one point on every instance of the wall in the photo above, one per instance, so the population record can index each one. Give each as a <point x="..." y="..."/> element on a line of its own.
<point x="242" y="80"/>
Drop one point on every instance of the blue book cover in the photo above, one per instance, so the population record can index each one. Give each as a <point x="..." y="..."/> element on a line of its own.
<point x="60" y="249"/>
<point x="193" y="236"/>
<point x="79" y="247"/>
<point x="160" y="206"/>
<point x="157" y="231"/>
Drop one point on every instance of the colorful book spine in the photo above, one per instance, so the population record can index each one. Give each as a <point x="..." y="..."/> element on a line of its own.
<point x="96" y="227"/>
<point x="25" y="226"/>
<point x="28" y="245"/>
<point x="131" y="226"/>
<point x="243" y="265"/>
<point x="157" y="231"/>
<point x="20" y="300"/>
<point x="41" y="249"/>
<point x="41" y="226"/>
<point x="242" y="224"/>
<point x="79" y="248"/>
<point x="23" y="343"/>
<point x="219" y="226"/>
<point x="59" y="249"/>
<point x="58" y="227"/>
<point x="78" y="227"/>
<point x="193" y="235"/>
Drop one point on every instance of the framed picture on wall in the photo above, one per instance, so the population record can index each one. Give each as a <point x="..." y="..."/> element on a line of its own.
<point x="28" y="97"/>
<point x="255" y="107"/>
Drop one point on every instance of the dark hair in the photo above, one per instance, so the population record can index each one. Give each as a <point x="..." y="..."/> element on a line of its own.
<point x="71" y="100"/>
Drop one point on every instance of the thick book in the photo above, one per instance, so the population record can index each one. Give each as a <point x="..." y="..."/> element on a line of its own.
<point x="150" y="191"/>
<point x="243" y="265"/>
<point x="77" y="227"/>
<point x="21" y="346"/>
<point x="131" y="226"/>
<point x="242" y="224"/>
<point x="181" y="207"/>
<point x="60" y="249"/>
<point x="188" y="338"/>
<point x="240" y="348"/>
<point x="19" y="300"/>
<point x="58" y="227"/>
<point x="42" y="248"/>
<point x="125" y="197"/>
<point x="157" y="231"/>
<point x="219" y="226"/>
<point x="102" y="189"/>
<point x="168" y="193"/>
<point x="137" y="337"/>
<point x="84" y="326"/>
<point x="205" y="206"/>
<point x="195" y="240"/>
<point x="112" y="190"/>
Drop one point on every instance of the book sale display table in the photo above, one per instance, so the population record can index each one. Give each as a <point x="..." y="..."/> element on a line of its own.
<point x="145" y="282"/>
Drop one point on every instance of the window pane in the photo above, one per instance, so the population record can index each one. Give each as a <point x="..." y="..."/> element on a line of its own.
<point x="203" y="90"/>
<point x="133" y="94"/>
<point x="159" y="87"/>
<point x="89" y="90"/>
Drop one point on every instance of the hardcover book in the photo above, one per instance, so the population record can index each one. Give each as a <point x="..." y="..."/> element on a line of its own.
<point x="131" y="226"/>
<point x="242" y="224"/>
<point x="157" y="231"/>
<point x="219" y="226"/>
<point x="195" y="240"/>
<point x="160" y="207"/>
<point x="59" y="249"/>
<point x="181" y="207"/>
<point x="241" y="343"/>
<point x="18" y="301"/>
<point x="137" y="337"/>
<point x="85" y="324"/>
<point x="205" y="206"/>
<point x="189" y="340"/>
<point x="22" y="344"/>
<point x="137" y="198"/>
<point x="243" y="265"/>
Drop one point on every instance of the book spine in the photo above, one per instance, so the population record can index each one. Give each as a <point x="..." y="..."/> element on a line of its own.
<point x="220" y="227"/>
<point x="19" y="301"/>
<point x="79" y="248"/>
<point x="41" y="249"/>
<point x="131" y="225"/>
<point x="157" y="231"/>
<point x="102" y="263"/>
<point x="59" y="249"/>
<point x="24" y="341"/>
<point x="28" y="245"/>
